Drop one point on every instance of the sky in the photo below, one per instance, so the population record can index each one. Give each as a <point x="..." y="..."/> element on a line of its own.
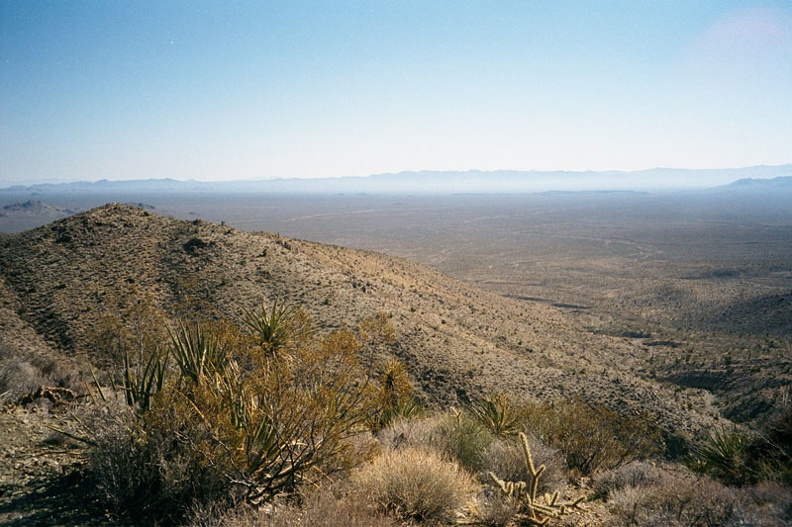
<point x="237" y="90"/>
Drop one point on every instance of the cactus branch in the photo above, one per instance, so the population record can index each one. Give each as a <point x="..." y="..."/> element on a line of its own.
<point x="533" y="510"/>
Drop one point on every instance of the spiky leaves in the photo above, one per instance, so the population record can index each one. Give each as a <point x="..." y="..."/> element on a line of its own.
<point x="496" y="413"/>
<point x="394" y="397"/>
<point x="276" y="328"/>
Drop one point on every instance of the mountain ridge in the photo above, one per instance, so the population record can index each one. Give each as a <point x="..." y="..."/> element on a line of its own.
<point x="431" y="181"/>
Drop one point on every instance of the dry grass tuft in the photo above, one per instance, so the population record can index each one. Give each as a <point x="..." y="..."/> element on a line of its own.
<point x="416" y="484"/>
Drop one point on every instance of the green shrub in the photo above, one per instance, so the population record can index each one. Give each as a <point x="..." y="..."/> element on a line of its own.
<point x="772" y="449"/>
<point x="740" y="457"/>
<point x="591" y="438"/>
<point x="278" y="328"/>
<point x="465" y="439"/>
<point x="394" y="398"/>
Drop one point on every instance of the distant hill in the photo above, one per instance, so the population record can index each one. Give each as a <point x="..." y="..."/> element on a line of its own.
<point x="33" y="208"/>
<point x="781" y="182"/>
<point x="58" y="282"/>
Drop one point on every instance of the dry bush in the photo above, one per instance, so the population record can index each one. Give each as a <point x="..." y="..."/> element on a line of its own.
<point x="412" y="432"/>
<point x="18" y="377"/>
<point x="133" y="473"/>
<point x="21" y="373"/>
<point x="492" y="510"/>
<point x="591" y="438"/>
<point x="676" y="499"/>
<point x="633" y="474"/>
<point x="416" y="484"/>
<point x="532" y="507"/>
<point x="769" y="502"/>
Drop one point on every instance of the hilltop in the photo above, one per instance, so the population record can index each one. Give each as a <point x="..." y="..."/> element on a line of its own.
<point x="58" y="281"/>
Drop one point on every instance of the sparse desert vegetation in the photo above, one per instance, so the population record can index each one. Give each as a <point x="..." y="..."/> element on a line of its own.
<point x="195" y="374"/>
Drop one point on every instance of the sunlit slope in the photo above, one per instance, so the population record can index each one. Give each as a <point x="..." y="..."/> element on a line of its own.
<point x="60" y="280"/>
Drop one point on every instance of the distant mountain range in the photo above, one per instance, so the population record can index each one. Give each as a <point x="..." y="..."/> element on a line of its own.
<point x="457" y="182"/>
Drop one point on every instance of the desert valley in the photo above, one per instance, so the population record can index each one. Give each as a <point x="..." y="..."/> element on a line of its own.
<point x="669" y="310"/>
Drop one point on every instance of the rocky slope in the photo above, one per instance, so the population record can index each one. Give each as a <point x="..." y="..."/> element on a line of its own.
<point x="57" y="282"/>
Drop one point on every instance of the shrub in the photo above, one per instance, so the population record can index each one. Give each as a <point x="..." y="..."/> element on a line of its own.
<point x="18" y="377"/>
<point x="278" y="328"/>
<point x="416" y="432"/>
<point x="740" y="457"/>
<point x="773" y="449"/>
<point x="493" y="510"/>
<point x="416" y="484"/>
<point x="724" y="456"/>
<point x="394" y="397"/>
<point x="676" y="501"/>
<point x="591" y="438"/>
<point x="266" y="429"/>
<point x="233" y="421"/>
<point x="22" y="372"/>
<point x="496" y="413"/>
<point x="466" y="440"/>
<point x="322" y="507"/>
<point x="134" y="474"/>
<point x="633" y="474"/>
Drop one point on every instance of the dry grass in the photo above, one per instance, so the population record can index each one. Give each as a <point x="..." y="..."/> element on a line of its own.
<point x="324" y="507"/>
<point x="416" y="484"/>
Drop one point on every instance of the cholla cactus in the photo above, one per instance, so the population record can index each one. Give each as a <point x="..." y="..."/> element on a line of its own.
<point x="534" y="510"/>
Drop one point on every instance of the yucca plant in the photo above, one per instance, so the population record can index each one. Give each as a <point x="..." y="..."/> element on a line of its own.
<point x="278" y="327"/>
<point x="197" y="352"/>
<point x="143" y="381"/>
<point x="496" y="413"/>
<point x="395" y="398"/>
<point x="724" y="456"/>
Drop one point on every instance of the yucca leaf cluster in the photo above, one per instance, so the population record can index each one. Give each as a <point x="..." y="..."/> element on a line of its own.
<point x="253" y="410"/>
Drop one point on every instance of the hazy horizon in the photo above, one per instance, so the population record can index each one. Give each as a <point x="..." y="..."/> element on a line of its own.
<point x="212" y="91"/>
<point x="428" y="182"/>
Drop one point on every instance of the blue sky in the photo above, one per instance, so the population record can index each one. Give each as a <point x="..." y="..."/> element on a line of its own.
<point x="253" y="90"/>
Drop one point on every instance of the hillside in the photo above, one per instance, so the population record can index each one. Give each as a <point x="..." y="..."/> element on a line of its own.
<point x="57" y="283"/>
